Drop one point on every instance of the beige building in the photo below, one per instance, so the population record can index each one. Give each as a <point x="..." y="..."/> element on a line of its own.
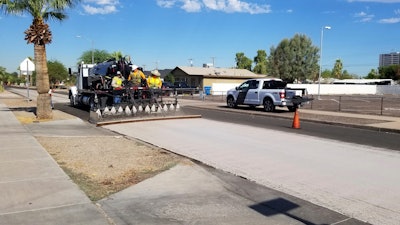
<point x="212" y="77"/>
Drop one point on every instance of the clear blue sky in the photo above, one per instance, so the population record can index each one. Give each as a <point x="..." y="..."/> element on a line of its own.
<point x="168" y="33"/>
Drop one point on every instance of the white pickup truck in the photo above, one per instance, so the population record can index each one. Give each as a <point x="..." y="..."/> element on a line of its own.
<point x="266" y="92"/>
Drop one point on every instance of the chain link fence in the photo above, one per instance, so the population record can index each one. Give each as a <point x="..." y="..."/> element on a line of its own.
<point x="385" y="105"/>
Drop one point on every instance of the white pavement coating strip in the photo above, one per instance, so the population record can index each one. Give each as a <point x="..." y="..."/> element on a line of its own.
<point x="356" y="180"/>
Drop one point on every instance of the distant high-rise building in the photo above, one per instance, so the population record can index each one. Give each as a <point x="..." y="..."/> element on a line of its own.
<point x="389" y="59"/>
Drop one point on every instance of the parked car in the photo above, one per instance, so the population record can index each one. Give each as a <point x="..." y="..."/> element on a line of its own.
<point x="182" y="87"/>
<point x="168" y="88"/>
<point x="166" y="84"/>
<point x="181" y="84"/>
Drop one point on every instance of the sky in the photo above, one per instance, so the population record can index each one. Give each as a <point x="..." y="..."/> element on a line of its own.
<point x="164" y="34"/>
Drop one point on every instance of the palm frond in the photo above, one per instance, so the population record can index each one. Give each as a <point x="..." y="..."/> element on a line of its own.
<point x="54" y="15"/>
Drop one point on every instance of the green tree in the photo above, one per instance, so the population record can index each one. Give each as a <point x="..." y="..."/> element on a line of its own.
<point x="347" y="75"/>
<point x="242" y="62"/>
<point x="3" y="74"/>
<point x="98" y="55"/>
<point x="57" y="72"/>
<point x="170" y="78"/>
<point x="326" y="74"/>
<point x="277" y="62"/>
<point x="261" y="62"/>
<point x="337" y="69"/>
<point x="294" y="59"/>
<point x="39" y="35"/>
<point x="389" y="72"/>
<point x="373" y="74"/>
<point x="117" y="55"/>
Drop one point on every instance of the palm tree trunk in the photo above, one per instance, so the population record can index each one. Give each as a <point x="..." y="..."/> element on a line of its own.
<point x="43" y="107"/>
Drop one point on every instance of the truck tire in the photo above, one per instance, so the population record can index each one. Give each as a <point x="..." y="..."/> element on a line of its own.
<point x="71" y="100"/>
<point x="92" y="104"/>
<point x="268" y="105"/>
<point x="230" y="101"/>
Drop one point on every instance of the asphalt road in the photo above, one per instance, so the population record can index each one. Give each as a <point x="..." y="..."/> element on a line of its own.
<point x="268" y="120"/>
<point x="322" y="130"/>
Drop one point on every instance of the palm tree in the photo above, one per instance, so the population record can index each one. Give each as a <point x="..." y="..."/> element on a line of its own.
<point x="117" y="55"/>
<point x="338" y="69"/>
<point x="39" y="35"/>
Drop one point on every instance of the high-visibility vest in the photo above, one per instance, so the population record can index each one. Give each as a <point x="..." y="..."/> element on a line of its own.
<point x="154" y="82"/>
<point x="136" y="77"/>
<point x="116" y="82"/>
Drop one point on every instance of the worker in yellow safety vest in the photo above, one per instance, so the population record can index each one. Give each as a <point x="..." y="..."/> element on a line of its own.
<point x="154" y="81"/>
<point x="136" y="76"/>
<point x="116" y="82"/>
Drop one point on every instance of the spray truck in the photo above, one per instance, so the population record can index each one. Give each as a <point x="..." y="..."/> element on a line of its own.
<point x="93" y="90"/>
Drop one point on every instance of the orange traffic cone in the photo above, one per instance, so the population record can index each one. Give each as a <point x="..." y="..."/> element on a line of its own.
<point x="296" y="120"/>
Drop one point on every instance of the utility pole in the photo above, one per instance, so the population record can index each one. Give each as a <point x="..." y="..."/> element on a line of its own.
<point x="213" y="60"/>
<point x="191" y="62"/>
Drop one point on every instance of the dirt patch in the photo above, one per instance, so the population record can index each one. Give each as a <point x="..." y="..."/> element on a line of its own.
<point x="105" y="165"/>
<point x="100" y="166"/>
<point x="25" y="111"/>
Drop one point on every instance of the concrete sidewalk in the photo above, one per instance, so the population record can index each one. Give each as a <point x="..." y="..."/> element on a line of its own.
<point x="34" y="189"/>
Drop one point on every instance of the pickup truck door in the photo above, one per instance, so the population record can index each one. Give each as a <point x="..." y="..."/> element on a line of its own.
<point x="253" y="93"/>
<point x="242" y="92"/>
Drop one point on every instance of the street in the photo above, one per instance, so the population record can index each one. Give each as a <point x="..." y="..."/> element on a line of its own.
<point x="282" y="121"/>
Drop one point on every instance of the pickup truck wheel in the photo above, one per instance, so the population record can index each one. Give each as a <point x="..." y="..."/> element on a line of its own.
<point x="230" y="101"/>
<point x="268" y="105"/>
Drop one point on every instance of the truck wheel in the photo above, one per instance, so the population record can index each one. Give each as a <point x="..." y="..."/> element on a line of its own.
<point x="71" y="100"/>
<point x="268" y="105"/>
<point x="230" y="101"/>
<point x="92" y="104"/>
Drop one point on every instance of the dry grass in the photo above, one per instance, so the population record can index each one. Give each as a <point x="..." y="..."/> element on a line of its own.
<point x="102" y="165"/>
<point x="105" y="165"/>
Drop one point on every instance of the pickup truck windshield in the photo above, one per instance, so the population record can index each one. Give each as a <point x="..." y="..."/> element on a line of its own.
<point x="274" y="84"/>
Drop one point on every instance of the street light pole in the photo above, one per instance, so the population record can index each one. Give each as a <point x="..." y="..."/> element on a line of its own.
<point x="91" y="43"/>
<point x="320" y="60"/>
<point x="91" y="46"/>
